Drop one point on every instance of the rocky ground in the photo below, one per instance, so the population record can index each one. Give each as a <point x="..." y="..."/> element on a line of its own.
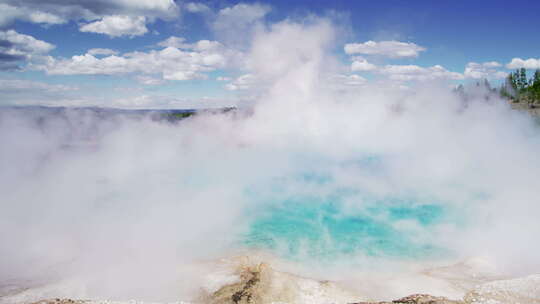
<point x="260" y="284"/>
<point x="533" y="109"/>
<point x="418" y="299"/>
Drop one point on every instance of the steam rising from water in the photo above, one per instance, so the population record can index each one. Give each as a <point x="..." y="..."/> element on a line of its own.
<point x="369" y="179"/>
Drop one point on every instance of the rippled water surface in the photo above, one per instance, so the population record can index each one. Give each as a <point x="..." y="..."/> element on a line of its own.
<point x="329" y="228"/>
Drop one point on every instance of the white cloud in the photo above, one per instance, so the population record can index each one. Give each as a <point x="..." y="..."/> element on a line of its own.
<point x="100" y="51"/>
<point x="222" y="78"/>
<point x="361" y="64"/>
<point x="414" y="72"/>
<point x="173" y="41"/>
<point x="530" y="63"/>
<point x="492" y="64"/>
<point x="172" y="63"/>
<point x="196" y="7"/>
<point x="25" y="43"/>
<point x="116" y="26"/>
<point x="201" y="45"/>
<point x="243" y="82"/>
<point x="9" y="13"/>
<point x="157" y="7"/>
<point x="392" y="49"/>
<point x="483" y="70"/>
<point x="241" y="14"/>
<point x="88" y="65"/>
<point x="16" y="47"/>
<point x="111" y="17"/>
<point x="206" y="45"/>
<point x="87" y="10"/>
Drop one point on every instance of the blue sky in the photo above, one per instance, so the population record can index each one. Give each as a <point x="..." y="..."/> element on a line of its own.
<point x="166" y="53"/>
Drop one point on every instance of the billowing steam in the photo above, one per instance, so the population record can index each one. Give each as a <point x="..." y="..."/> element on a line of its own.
<point x="311" y="174"/>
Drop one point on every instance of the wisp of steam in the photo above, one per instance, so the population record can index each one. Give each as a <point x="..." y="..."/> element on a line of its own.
<point x="336" y="182"/>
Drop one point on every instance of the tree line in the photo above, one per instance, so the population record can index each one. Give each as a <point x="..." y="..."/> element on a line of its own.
<point x="519" y="88"/>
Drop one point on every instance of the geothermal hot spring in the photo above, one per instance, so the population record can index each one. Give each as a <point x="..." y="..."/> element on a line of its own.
<point x="336" y="195"/>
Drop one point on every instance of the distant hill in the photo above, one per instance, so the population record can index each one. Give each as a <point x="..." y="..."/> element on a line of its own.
<point x="154" y="114"/>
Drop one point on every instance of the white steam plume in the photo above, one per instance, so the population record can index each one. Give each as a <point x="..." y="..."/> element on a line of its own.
<point x="127" y="205"/>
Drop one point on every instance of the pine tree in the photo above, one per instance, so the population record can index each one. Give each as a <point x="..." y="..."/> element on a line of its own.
<point x="523" y="83"/>
<point x="536" y="77"/>
<point x="535" y="86"/>
<point x="509" y="87"/>
<point x="519" y="88"/>
<point x="513" y="81"/>
<point x="535" y="80"/>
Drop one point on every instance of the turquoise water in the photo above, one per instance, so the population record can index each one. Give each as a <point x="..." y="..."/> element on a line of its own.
<point x="313" y="215"/>
<point x="328" y="228"/>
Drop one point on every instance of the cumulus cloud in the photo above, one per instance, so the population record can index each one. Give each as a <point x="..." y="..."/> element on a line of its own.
<point x="173" y="41"/>
<point x="114" y="17"/>
<point x="16" y="48"/>
<point x="116" y="26"/>
<point x="414" y="72"/>
<point x="361" y="64"/>
<point x="492" y="64"/>
<point x="392" y="49"/>
<point x="172" y="63"/>
<point x="530" y="63"/>
<point x="240" y="14"/>
<point x="24" y="43"/>
<point x="486" y="70"/>
<point x="91" y="10"/>
<point x="101" y="51"/>
<point x="9" y="13"/>
<point x="201" y="45"/>
<point x="196" y="7"/>
<point x="205" y="45"/>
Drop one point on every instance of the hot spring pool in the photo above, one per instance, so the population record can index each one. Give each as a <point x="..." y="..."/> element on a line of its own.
<point x="328" y="229"/>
